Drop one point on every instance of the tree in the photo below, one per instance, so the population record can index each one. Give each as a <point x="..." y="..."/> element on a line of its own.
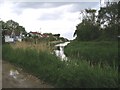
<point x="21" y="29"/>
<point x="12" y="24"/>
<point x="88" y="28"/>
<point x="3" y="25"/>
<point x="108" y="20"/>
<point x="104" y="25"/>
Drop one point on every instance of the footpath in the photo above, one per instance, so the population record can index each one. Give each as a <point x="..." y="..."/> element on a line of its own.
<point x="14" y="77"/>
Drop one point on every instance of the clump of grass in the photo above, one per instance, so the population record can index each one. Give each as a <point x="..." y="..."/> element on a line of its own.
<point x="72" y="73"/>
<point x="81" y="74"/>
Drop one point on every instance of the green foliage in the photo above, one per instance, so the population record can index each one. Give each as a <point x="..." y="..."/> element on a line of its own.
<point x="70" y="74"/>
<point x="104" y="52"/>
<point x="109" y="14"/>
<point x="51" y="38"/>
<point x="86" y="31"/>
<point x="21" y="29"/>
<point x="103" y="26"/>
<point x="11" y="25"/>
<point x="2" y="24"/>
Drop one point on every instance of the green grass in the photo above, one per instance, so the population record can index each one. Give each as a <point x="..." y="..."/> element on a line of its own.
<point x="72" y="73"/>
<point x="104" y="52"/>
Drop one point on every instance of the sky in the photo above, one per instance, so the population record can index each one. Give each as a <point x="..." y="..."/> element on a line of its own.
<point x="46" y="17"/>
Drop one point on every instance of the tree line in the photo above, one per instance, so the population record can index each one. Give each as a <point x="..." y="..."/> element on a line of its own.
<point x="99" y="25"/>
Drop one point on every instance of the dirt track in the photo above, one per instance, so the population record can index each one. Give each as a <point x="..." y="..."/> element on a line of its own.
<point x="21" y="80"/>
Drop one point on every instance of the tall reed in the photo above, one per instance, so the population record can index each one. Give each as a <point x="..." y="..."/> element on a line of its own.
<point x="96" y="52"/>
<point x="42" y="46"/>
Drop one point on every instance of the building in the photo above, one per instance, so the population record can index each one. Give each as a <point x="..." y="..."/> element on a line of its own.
<point x="35" y="34"/>
<point x="12" y="36"/>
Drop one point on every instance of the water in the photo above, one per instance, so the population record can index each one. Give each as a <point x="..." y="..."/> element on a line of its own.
<point x="60" y="51"/>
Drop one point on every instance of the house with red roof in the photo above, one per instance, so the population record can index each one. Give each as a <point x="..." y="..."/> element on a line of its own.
<point x="35" y="34"/>
<point x="39" y="35"/>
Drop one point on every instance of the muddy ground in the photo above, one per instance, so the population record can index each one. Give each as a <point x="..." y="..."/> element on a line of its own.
<point x="20" y="79"/>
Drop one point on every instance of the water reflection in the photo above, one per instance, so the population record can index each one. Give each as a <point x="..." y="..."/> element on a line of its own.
<point x="60" y="51"/>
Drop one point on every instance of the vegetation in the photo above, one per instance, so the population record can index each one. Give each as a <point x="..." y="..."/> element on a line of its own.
<point x="42" y="46"/>
<point x="103" y="53"/>
<point x="93" y="55"/>
<point x="97" y="36"/>
<point x="11" y="25"/>
<point x="70" y="74"/>
<point x="99" y="27"/>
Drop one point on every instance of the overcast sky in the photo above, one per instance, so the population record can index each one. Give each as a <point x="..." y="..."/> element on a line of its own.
<point x="54" y="17"/>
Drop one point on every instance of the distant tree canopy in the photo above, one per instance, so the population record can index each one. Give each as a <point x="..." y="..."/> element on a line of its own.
<point x="57" y="35"/>
<point x="12" y="25"/>
<point x="21" y="29"/>
<point x="102" y="26"/>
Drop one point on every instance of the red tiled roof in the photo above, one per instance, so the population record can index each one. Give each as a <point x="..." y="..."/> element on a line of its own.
<point x="45" y="35"/>
<point x="36" y="33"/>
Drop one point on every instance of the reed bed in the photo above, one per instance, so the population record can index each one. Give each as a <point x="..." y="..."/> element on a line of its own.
<point x="104" y="52"/>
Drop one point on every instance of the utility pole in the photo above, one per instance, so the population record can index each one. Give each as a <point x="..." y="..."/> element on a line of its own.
<point x="100" y="3"/>
<point x="40" y="30"/>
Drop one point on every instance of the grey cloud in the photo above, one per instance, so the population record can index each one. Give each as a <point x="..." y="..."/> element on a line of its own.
<point x="83" y="5"/>
<point x="50" y="16"/>
<point x="18" y="7"/>
<point x="37" y="5"/>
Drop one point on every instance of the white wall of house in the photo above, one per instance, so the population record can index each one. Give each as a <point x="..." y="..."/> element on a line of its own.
<point x="9" y="39"/>
<point x="19" y="39"/>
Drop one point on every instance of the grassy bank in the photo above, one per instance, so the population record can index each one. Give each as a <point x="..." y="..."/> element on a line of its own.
<point x="49" y="68"/>
<point x="103" y="52"/>
<point x="41" y="46"/>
